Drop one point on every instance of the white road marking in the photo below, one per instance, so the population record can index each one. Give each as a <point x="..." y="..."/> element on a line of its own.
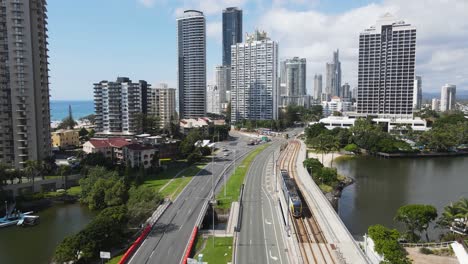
<point x="273" y="257"/>
<point x="267" y="222"/>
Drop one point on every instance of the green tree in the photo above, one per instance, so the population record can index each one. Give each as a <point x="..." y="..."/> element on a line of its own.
<point x="64" y="171"/>
<point x="314" y="166"/>
<point x="142" y="202"/>
<point x="83" y="132"/>
<point x="458" y="209"/>
<point x="187" y="146"/>
<point x="314" y="131"/>
<point x="386" y="244"/>
<point x="32" y="170"/>
<point x="351" y="148"/>
<point x="334" y="146"/>
<point x="322" y="143"/>
<point x="416" y="217"/>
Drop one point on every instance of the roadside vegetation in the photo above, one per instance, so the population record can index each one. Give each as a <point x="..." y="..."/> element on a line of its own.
<point x="449" y="131"/>
<point x="326" y="178"/>
<point x="235" y="181"/>
<point x="220" y="253"/>
<point x="416" y="219"/>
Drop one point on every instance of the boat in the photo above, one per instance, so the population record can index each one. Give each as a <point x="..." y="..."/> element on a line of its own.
<point x="15" y="217"/>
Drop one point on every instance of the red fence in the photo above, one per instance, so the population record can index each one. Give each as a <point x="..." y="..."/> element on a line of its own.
<point x="190" y="245"/>
<point x="134" y="246"/>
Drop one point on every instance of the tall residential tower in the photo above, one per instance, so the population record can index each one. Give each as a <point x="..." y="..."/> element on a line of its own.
<point x="333" y="74"/>
<point x="191" y="67"/>
<point x="254" y="78"/>
<point x="232" y="31"/>
<point x="387" y="54"/>
<point x="417" y="93"/>
<point x="24" y="90"/>
<point x="447" y="97"/>
<point x="293" y="76"/>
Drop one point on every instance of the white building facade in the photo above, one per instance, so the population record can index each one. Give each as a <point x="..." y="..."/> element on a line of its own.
<point x="162" y="103"/>
<point x="117" y="104"/>
<point x="254" y="79"/>
<point x="213" y="104"/>
<point x="417" y="93"/>
<point x="448" y="97"/>
<point x="191" y="67"/>
<point x="386" y="68"/>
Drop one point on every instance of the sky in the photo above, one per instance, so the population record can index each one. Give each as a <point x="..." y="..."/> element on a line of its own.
<point x="94" y="40"/>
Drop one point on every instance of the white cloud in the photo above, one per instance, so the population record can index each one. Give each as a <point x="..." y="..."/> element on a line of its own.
<point x="214" y="30"/>
<point x="147" y="3"/>
<point x="442" y="37"/>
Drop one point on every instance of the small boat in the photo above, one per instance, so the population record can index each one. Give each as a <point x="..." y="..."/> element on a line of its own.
<point x="15" y="217"/>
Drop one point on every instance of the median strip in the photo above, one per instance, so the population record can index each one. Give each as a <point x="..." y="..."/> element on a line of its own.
<point x="235" y="181"/>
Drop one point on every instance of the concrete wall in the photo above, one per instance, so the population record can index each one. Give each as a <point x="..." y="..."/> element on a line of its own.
<point x="41" y="185"/>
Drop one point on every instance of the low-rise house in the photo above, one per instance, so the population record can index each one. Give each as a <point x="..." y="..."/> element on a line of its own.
<point x="203" y="123"/>
<point x="111" y="147"/>
<point x="64" y="139"/>
<point x="137" y="155"/>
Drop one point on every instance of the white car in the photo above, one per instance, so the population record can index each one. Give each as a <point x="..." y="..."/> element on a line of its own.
<point x="226" y="154"/>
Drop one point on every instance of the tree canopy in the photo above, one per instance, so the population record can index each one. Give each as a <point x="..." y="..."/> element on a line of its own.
<point x="416" y="217"/>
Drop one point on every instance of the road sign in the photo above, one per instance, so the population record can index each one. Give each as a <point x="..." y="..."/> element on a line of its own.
<point x="104" y="255"/>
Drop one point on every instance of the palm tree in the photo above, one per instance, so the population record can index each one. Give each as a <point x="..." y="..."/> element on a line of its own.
<point x="64" y="172"/>
<point x="334" y="146"/>
<point x="32" y="169"/>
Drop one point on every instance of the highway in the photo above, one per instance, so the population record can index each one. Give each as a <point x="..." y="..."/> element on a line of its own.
<point x="261" y="239"/>
<point x="167" y="241"/>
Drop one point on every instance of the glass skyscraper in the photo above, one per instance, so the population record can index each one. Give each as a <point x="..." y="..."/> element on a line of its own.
<point x="232" y="31"/>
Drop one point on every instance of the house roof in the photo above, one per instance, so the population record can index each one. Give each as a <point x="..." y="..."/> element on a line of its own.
<point x="109" y="142"/>
<point x="135" y="146"/>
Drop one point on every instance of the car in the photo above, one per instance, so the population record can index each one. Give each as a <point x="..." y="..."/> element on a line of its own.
<point x="226" y="154"/>
<point x="71" y="158"/>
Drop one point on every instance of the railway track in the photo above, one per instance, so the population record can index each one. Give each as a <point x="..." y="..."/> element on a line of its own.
<point x="313" y="244"/>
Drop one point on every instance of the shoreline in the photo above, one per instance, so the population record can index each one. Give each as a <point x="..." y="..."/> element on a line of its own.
<point x="328" y="160"/>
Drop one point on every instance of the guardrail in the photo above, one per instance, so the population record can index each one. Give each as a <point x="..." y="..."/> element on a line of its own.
<point x="431" y="244"/>
<point x="149" y="226"/>
<point x="190" y="245"/>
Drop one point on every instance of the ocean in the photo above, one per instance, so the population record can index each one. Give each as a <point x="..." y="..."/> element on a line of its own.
<point x="59" y="109"/>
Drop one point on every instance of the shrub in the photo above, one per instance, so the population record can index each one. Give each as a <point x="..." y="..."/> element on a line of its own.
<point x="425" y="251"/>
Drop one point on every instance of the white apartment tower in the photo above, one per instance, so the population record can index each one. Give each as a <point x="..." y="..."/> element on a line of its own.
<point x="417" y="93"/>
<point x="24" y="90"/>
<point x="447" y="97"/>
<point x="117" y="105"/>
<point x="318" y="86"/>
<point x="386" y="68"/>
<point x="254" y="78"/>
<point x="293" y="76"/>
<point x="162" y="103"/>
<point x="191" y="70"/>
<point x="223" y="81"/>
<point x="213" y="103"/>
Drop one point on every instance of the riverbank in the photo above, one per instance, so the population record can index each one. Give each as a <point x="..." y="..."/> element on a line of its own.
<point x="333" y="193"/>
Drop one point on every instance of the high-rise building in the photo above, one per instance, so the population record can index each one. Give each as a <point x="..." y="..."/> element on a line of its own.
<point x="232" y="31"/>
<point x="386" y="68"/>
<point x="293" y="76"/>
<point x="213" y="103"/>
<point x="317" y="86"/>
<point x="435" y="104"/>
<point x="333" y="71"/>
<point x="117" y="105"/>
<point x="447" y="97"/>
<point x="254" y="78"/>
<point x="417" y="93"/>
<point x="223" y="82"/>
<point x="24" y="78"/>
<point x="345" y="91"/>
<point x="191" y="68"/>
<point x="162" y="103"/>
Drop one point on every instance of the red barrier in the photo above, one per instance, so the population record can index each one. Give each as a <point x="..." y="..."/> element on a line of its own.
<point x="135" y="245"/>
<point x="190" y="245"/>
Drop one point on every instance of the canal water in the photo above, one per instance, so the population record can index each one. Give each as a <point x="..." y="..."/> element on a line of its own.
<point x="37" y="244"/>
<point x="383" y="185"/>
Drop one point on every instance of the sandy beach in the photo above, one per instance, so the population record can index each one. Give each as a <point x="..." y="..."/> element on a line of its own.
<point x="327" y="158"/>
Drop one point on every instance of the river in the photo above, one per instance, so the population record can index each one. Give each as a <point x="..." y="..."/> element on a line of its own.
<point x="37" y="244"/>
<point x="383" y="185"/>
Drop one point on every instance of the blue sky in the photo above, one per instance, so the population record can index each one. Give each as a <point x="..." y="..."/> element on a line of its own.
<point x="94" y="40"/>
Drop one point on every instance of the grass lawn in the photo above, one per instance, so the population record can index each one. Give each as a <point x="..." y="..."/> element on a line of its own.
<point x="75" y="191"/>
<point x="221" y="253"/>
<point x="115" y="259"/>
<point x="51" y="177"/>
<point x="235" y="181"/>
<point x="326" y="188"/>
<point x="158" y="181"/>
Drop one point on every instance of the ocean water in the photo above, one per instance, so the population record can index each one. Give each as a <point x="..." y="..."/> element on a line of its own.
<point x="59" y="109"/>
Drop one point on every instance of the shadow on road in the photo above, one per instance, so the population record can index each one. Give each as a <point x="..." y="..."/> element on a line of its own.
<point x="163" y="228"/>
